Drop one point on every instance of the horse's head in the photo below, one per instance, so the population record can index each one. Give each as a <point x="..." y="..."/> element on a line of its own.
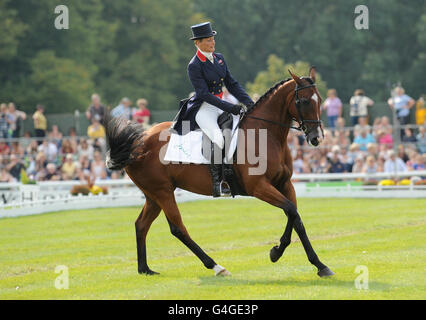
<point x="306" y="107"/>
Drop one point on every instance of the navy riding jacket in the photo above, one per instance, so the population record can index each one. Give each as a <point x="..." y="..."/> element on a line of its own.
<point x="208" y="79"/>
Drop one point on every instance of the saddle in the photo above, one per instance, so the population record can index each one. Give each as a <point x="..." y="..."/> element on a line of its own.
<point x="225" y="123"/>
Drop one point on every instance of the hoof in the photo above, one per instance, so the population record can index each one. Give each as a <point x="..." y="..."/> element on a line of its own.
<point x="275" y="254"/>
<point x="148" y="272"/>
<point x="326" y="272"/>
<point x="220" y="271"/>
<point x="223" y="273"/>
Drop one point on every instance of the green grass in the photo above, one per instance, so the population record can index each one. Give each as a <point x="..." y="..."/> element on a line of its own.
<point x="99" y="249"/>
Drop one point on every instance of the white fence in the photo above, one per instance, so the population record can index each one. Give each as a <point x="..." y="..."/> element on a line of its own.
<point x="18" y="199"/>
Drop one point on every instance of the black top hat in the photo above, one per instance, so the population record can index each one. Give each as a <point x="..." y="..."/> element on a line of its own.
<point x="202" y="30"/>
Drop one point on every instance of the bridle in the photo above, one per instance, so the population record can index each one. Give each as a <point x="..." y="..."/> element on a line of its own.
<point x="301" y="122"/>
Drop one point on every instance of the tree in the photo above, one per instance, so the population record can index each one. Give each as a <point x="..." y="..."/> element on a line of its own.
<point x="58" y="83"/>
<point x="277" y="70"/>
<point x="11" y="29"/>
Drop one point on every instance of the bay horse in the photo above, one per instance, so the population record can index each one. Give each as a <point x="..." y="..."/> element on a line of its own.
<point x="138" y="153"/>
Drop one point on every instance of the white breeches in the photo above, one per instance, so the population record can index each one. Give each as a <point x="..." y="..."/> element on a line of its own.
<point x="206" y="118"/>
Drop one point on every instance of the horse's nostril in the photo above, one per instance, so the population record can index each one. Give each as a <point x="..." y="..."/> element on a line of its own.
<point x="314" y="141"/>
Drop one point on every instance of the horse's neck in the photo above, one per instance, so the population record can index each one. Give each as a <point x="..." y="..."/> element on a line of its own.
<point x="274" y="108"/>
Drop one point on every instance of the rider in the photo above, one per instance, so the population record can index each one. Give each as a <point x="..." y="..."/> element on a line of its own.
<point x="208" y="73"/>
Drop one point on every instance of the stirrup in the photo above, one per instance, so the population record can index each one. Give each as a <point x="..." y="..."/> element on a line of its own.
<point x="225" y="189"/>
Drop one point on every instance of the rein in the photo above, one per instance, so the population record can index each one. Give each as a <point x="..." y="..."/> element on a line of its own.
<point x="274" y="122"/>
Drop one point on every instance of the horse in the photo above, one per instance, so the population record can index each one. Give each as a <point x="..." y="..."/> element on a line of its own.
<point x="138" y="152"/>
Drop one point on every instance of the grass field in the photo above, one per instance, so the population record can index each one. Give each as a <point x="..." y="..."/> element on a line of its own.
<point x="99" y="249"/>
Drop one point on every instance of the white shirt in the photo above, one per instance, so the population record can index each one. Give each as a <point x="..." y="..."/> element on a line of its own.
<point x="397" y="165"/>
<point x="208" y="55"/>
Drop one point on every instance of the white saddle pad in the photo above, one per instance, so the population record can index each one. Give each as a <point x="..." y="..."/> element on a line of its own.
<point x="187" y="148"/>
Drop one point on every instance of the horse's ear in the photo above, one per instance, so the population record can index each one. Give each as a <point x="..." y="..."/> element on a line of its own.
<point x="312" y="73"/>
<point x="296" y="78"/>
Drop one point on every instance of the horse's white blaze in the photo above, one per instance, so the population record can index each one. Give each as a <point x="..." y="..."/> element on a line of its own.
<point x="315" y="97"/>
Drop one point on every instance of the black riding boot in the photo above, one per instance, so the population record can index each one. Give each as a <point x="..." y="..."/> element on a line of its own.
<point x="220" y="187"/>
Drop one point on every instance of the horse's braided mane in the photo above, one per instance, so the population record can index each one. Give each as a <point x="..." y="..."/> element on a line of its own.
<point x="267" y="94"/>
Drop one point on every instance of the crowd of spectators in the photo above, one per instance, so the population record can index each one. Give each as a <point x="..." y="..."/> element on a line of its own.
<point x="54" y="155"/>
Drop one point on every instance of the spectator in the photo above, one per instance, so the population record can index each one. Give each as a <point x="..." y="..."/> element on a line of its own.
<point x="372" y="149"/>
<point x="73" y="138"/>
<point x="25" y="141"/>
<point x="55" y="136"/>
<point x="69" y="168"/>
<point x="362" y="125"/>
<point x="5" y="176"/>
<point x="15" y="166"/>
<point x="421" y="140"/>
<point x="96" y="109"/>
<point x="402" y="104"/>
<point x="123" y="109"/>
<point x="40" y="166"/>
<point x="17" y="150"/>
<point x="336" y="166"/>
<point x="40" y="123"/>
<point x="342" y="139"/>
<point x="323" y="166"/>
<point x="142" y="115"/>
<point x="333" y="106"/>
<point x="85" y="149"/>
<point x="15" y="117"/>
<point x="385" y="138"/>
<point x="340" y="127"/>
<point x="363" y="139"/>
<point x="97" y="168"/>
<point x="358" y="106"/>
<point x="402" y="154"/>
<point x="51" y="173"/>
<point x="4" y="122"/>
<point x="67" y="147"/>
<point x="96" y="129"/>
<point x="408" y="136"/>
<point x="32" y="149"/>
<point x="298" y="161"/>
<point x="418" y="162"/>
<point x="4" y="148"/>
<point x="359" y="164"/>
<point x="49" y="149"/>
<point x="370" y="165"/>
<point x="394" y="164"/>
<point x="420" y="111"/>
<point x="83" y="167"/>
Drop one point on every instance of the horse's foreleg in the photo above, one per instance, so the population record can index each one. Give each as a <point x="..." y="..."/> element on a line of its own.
<point x="178" y="229"/>
<point x="149" y="212"/>
<point x="277" y="251"/>
<point x="270" y="194"/>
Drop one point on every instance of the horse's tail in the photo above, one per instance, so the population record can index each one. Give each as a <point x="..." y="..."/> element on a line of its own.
<point x="121" y="135"/>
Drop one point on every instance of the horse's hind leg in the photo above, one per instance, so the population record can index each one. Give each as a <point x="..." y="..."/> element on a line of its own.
<point x="178" y="229"/>
<point x="149" y="212"/>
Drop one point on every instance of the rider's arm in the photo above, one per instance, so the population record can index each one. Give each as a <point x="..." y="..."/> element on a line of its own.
<point x="235" y="88"/>
<point x="202" y="89"/>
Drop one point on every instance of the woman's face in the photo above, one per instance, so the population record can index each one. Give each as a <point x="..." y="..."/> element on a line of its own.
<point x="206" y="44"/>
